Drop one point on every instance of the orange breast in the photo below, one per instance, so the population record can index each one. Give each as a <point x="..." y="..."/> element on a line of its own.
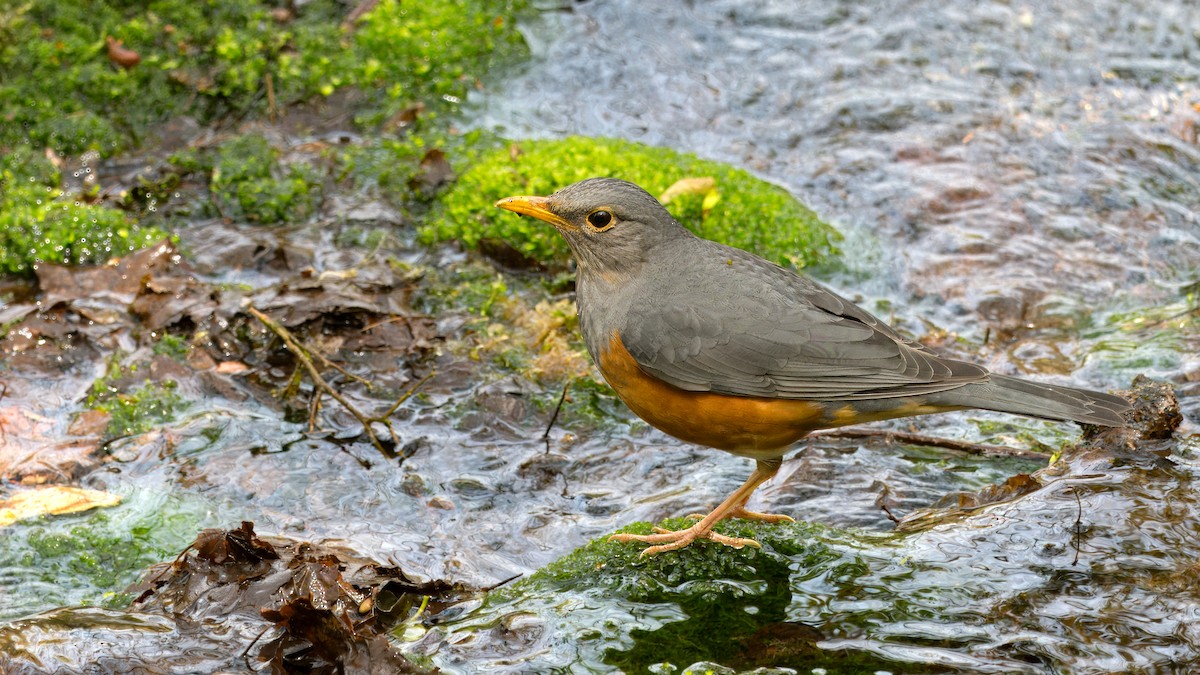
<point x="749" y="426"/>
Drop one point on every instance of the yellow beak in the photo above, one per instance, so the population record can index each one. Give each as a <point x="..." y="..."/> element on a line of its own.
<point x="538" y="207"/>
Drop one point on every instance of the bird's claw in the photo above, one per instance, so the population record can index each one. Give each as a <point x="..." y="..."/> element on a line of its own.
<point x="745" y="514"/>
<point x="672" y="540"/>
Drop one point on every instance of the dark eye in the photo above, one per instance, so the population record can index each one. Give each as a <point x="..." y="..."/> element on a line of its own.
<point x="599" y="219"/>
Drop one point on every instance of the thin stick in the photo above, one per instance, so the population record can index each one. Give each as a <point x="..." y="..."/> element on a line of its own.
<point x="301" y="355"/>
<point x="408" y="394"/>
<point x="931" y="441"/>
<point x="271" y="109"/>
<point x="557" y="409"/>
<point x="304" y="356"/>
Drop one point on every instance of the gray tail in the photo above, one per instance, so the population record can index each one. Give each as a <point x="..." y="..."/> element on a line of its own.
<point x="1022" y="397"/>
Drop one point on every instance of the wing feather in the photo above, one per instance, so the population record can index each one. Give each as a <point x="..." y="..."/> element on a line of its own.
<point x="775" y="334"/>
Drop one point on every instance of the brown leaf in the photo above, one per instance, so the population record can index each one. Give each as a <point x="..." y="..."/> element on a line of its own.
<point x="89" y="423"/>
<point x="233" y="546"/>
<point x="32" y="453"/>
<point x="111" y="286"/>
<point x="121" y="55"/>
<point x="434" y="172"/>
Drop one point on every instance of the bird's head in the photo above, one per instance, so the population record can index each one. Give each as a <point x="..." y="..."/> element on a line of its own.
<point x="611" y="225"/>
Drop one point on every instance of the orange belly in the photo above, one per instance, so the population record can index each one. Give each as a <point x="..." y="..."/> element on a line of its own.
<point x="744" y="425"/>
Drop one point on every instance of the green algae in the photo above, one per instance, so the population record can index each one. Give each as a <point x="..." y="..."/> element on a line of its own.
<point x="719" y="594"/>
<point x="99" y="553"/>
<point x="743" y="211"/>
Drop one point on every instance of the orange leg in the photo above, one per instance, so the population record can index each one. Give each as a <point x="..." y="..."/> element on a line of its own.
<point x="732" y="507"/>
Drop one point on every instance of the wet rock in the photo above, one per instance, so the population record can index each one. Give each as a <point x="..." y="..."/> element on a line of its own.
<point x="508" y="399"/>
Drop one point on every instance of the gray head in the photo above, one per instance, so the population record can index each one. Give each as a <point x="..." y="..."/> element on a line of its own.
<point x="611" y="225"/>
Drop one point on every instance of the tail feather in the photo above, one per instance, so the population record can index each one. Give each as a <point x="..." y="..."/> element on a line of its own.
<point x="1023" y="397"/>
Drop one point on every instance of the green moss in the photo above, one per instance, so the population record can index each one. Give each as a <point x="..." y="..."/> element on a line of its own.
<point x="749" y="213"/>
<point x="432" y="51"/>
<point x="172" y="346"/>
<point x="39" y="221"/>
<point x="701" y="602"/>
<point x="250" y="182"/>
<point x="472" y="286"/>
<point x="697" y="570"/>
<point x="133" y="410"/>
<point x="58" y="87"/>
<point x="140" y="410"/>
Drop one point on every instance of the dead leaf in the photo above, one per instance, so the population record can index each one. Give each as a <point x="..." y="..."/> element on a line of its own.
<point x="113" y="286"/>
<point x="31" y="452"/>
<point x="52" y="501"/>
<point x="232" y="367"/>
<point x="89" y="423"/>
<point x="121" y="55"/>
<point x="434" y="172"/>
<point x="233" y="546"/>
<point x="702" y="185"/>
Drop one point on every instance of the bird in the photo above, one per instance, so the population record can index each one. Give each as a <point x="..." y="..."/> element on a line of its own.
<point x="716" y="346"/>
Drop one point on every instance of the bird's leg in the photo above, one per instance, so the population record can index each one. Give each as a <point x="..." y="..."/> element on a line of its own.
<point x="733" y="506"/>
<point x="740" y="511"/>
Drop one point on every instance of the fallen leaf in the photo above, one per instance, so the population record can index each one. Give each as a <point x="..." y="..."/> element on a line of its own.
<point x="31" y="453"/>
<point x="232" y="367"/>
<point x="121" y="55"/>
<point x="52" y="501"/>
<point x="702" y="185"/>
<point x="435" y="171"/>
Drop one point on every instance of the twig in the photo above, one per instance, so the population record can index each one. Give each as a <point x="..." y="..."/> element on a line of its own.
<point x="351" y="20"/>
<point x="304" y="357"/>
<point x="408" y="394"/>
<point x="498" y="584"/>
<point x="557" y="409"/>
<point x="271" y="109"/>
<point x="932" y="442"/>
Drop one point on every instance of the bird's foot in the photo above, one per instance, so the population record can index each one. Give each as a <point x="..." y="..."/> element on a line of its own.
<point x="745" y="514"/>
<point x="673" y="540"/>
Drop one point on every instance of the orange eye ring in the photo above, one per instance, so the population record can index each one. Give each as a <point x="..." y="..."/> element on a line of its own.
<point x="601" y="220"/>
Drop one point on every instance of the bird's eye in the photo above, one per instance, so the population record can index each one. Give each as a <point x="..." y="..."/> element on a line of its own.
<point x="600" y="219"/>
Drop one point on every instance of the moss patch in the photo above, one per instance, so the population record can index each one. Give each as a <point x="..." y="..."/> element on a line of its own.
<point x="62" y="85"/>
<point x="697" y="570"/>
<point x="107" y="550"/>
<point x="39" y="221"/>
<point x="741" y="210"/>
<point x="706" y="601"/>
<point x="134" y="406"/>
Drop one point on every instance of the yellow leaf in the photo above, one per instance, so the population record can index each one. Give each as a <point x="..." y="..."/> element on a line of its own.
<point x="54" y="500"/>
<point x="689" y="186"/>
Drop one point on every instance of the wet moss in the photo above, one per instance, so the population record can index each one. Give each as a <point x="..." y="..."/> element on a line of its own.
<point x="101" y="553"/>
<point x="699" y="569"/>
<point x="140" y="410"/>
<point x="719" y="597"/>
<point x="211" y="59"/>
<point x="41" y="222"/>
<point x="249" y="181"/>
<point x="134" y="406"/>
<point x="173" y="346"/>
<point x="739" y="210"/>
